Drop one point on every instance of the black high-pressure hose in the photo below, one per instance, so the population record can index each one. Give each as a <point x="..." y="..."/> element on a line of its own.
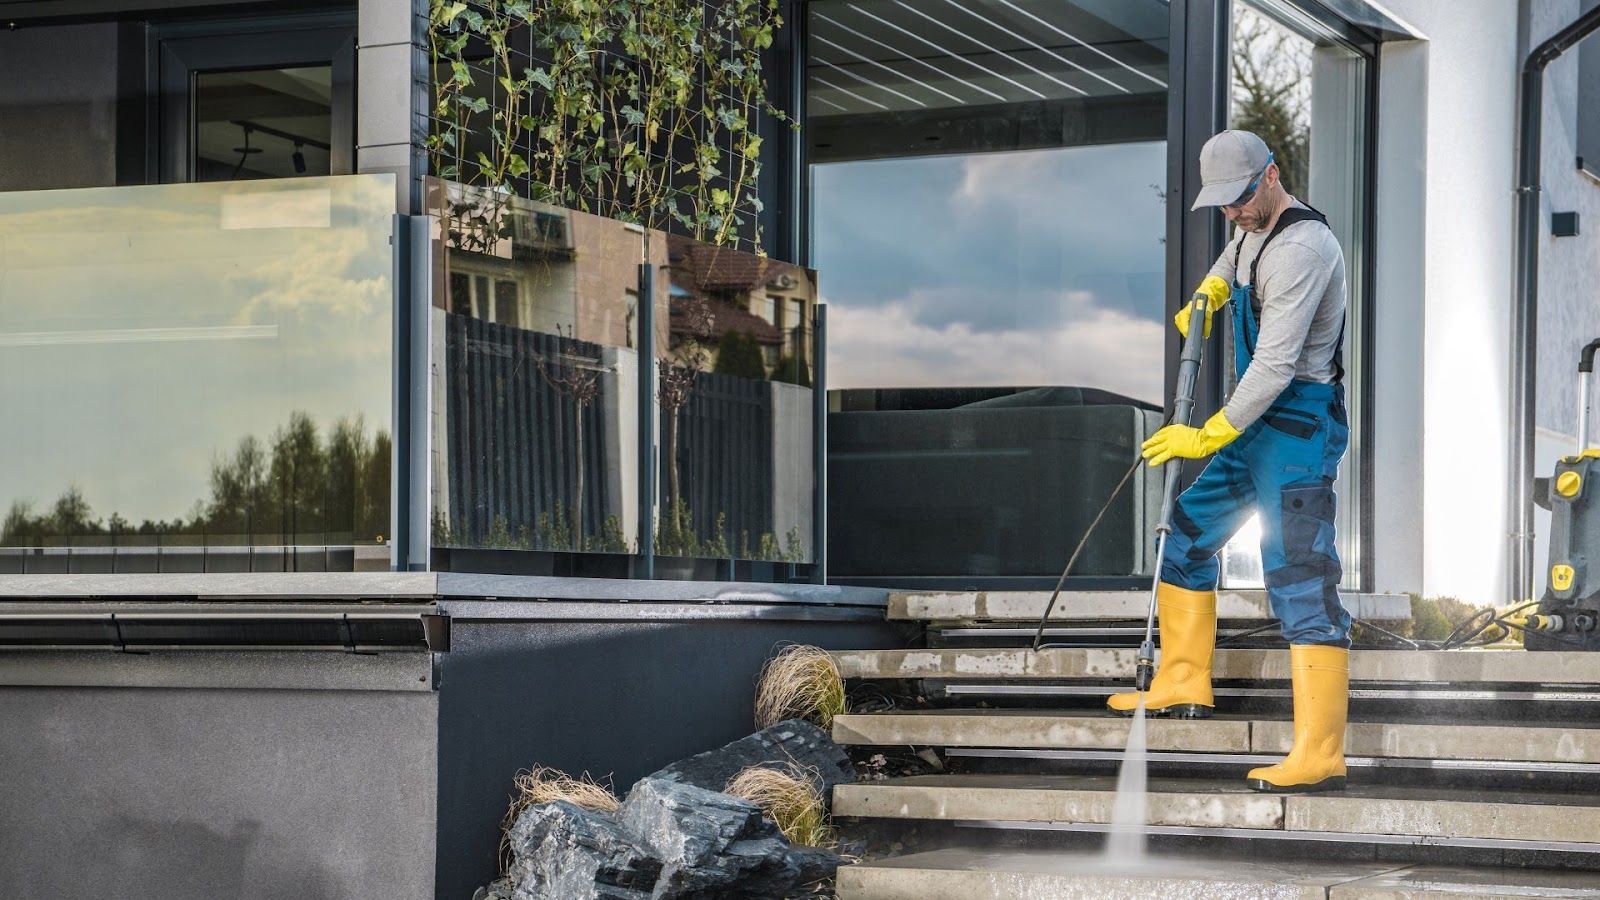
<point x="1073" y="559"/>
<point x="1465" y="634"/>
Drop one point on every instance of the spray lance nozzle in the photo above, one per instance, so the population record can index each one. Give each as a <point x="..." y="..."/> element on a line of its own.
<point x="1145" y="672"/>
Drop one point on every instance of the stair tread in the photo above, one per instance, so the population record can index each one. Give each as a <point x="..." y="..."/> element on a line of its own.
<point x="1117" y="664"/>
<point x="1099" y="606"/>
<point x="977" y="874"/>
<point x="1522" y="741"/>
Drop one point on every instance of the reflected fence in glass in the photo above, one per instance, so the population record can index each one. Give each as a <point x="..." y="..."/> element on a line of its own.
<point x="535" y="312"/>
<point x="736" y="407"/>
<point x="197" y="377"/>
<point x="537" y="392"/>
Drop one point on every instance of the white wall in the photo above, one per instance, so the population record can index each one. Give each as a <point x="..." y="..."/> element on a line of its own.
<point x="1397" y="311"/>
<point x="1446" y="143"/>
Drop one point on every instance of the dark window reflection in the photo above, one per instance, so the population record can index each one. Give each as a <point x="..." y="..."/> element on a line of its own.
<point x="263" y="123"/>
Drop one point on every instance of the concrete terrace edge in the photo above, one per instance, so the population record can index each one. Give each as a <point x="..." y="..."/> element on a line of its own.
<point x="1010" y="606"/>
<point x="423" y="585"/>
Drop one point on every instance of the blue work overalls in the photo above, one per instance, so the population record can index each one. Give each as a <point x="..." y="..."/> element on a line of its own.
<point x="1283" y="466"/>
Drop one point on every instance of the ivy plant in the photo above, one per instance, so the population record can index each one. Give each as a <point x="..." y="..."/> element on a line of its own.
<point x="641" y="110"/>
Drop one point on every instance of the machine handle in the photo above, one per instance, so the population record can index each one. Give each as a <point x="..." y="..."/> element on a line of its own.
<point x="1585" y="368"/>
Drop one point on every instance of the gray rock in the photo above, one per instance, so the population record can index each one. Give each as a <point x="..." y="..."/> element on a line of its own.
<point x="565" y="852"/>
<point x="499" y="889"/>
<point x="795" y="740"/>
<point x="816" y="864"/>
<point x="712" y="844"/>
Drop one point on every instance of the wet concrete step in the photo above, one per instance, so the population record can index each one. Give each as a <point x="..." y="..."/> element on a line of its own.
<point x="1012" y="607"/>
<point x="1363" y="814"/>
<point x="1066" y="730"/>
<point x="1516" y="667"/>
<point x="961" y="874"/>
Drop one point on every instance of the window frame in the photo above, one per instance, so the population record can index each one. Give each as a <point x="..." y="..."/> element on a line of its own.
<point x="1313" y="15"/>
<point x="177" y="53"/>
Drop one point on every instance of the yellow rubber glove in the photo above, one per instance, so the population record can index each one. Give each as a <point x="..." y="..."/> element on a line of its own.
<point x="1188" y="442"/>
<point x="1213" y="292"/>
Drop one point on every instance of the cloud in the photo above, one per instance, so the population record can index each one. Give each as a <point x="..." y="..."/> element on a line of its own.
<point x="999" y="234"/>
<point x="888" y="346"/>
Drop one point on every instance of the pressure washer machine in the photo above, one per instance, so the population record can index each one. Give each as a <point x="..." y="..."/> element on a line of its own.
<point x="1568" y="615"/>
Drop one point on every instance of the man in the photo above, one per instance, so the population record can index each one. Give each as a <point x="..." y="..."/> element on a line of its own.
<point x="1277" y="445"/>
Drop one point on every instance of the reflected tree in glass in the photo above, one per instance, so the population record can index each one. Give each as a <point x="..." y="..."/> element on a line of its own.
<point x="578" y="378"/>
<point x="686" y="356"/>
<point x="1272" y="92"/>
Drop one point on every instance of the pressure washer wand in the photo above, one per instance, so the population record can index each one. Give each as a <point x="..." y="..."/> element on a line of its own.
<point x="1182" y="409"/>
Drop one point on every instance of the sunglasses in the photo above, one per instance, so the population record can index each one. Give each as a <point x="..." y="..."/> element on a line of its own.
<point x="1250" y="192"/>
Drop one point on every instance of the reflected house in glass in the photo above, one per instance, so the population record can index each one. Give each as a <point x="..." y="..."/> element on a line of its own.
<point x="737" y="404"/>
<point x="536" y="317"/>
<point x="535" y="312"/>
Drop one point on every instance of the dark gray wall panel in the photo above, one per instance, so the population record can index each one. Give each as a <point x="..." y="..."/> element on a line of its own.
<point x="173" y="794"/>
<point x="613" y="698"/>
<point x="59" y="108"/>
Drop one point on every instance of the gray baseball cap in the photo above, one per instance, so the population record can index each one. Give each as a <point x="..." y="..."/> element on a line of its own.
<point x="1228" y="163"/>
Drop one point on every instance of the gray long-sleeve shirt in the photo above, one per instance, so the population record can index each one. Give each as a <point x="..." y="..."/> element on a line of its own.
<point x="1300" y="306"/>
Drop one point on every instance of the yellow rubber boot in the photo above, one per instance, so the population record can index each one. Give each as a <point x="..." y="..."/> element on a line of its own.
<point x="1321" y="707"/>
<point x="1182" y="686"/>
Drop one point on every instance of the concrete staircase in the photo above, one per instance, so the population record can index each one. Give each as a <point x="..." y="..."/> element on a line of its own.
<point x="1473" y="773"/>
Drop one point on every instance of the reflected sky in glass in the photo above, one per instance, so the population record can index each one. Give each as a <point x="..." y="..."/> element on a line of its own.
<point x="1015" y="268"/>
<point x="146" y="331"/>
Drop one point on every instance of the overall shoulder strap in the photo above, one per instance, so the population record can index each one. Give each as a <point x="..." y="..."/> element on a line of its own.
<point x="1290" y="216"/>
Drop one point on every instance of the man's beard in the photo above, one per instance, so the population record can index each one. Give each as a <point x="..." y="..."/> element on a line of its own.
<point x="1252" y="221"/>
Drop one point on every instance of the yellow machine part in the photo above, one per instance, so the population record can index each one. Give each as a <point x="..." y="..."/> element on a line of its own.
<point x="1561" y="577"/>
<point x="1568" y="484"/>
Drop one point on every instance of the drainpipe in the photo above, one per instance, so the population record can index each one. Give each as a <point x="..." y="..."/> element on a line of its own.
<point x="1525" y="308"/>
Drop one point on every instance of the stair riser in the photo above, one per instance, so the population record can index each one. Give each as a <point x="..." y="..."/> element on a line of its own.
<point x="1510" y="743"/>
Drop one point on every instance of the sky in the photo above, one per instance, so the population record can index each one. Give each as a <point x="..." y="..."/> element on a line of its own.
<point x="1014" y="268"/>
<point x="145" y="330"/>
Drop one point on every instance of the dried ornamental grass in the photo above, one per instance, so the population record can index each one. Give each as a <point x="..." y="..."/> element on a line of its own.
<point x="801" y="682"/>
<point x="545" y="785"/>
<point x="790" y="800"/>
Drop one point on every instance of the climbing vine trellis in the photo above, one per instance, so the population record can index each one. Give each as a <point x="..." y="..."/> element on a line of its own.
<point x="645" y="111"/>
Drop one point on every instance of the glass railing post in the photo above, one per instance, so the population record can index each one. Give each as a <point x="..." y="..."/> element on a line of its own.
<point x="647" y="421"/>
<point x="819" y="446"/>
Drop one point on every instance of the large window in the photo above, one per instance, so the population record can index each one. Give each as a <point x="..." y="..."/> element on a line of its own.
<point x="1304" y="89"/>
<point x="988" y="190"/>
